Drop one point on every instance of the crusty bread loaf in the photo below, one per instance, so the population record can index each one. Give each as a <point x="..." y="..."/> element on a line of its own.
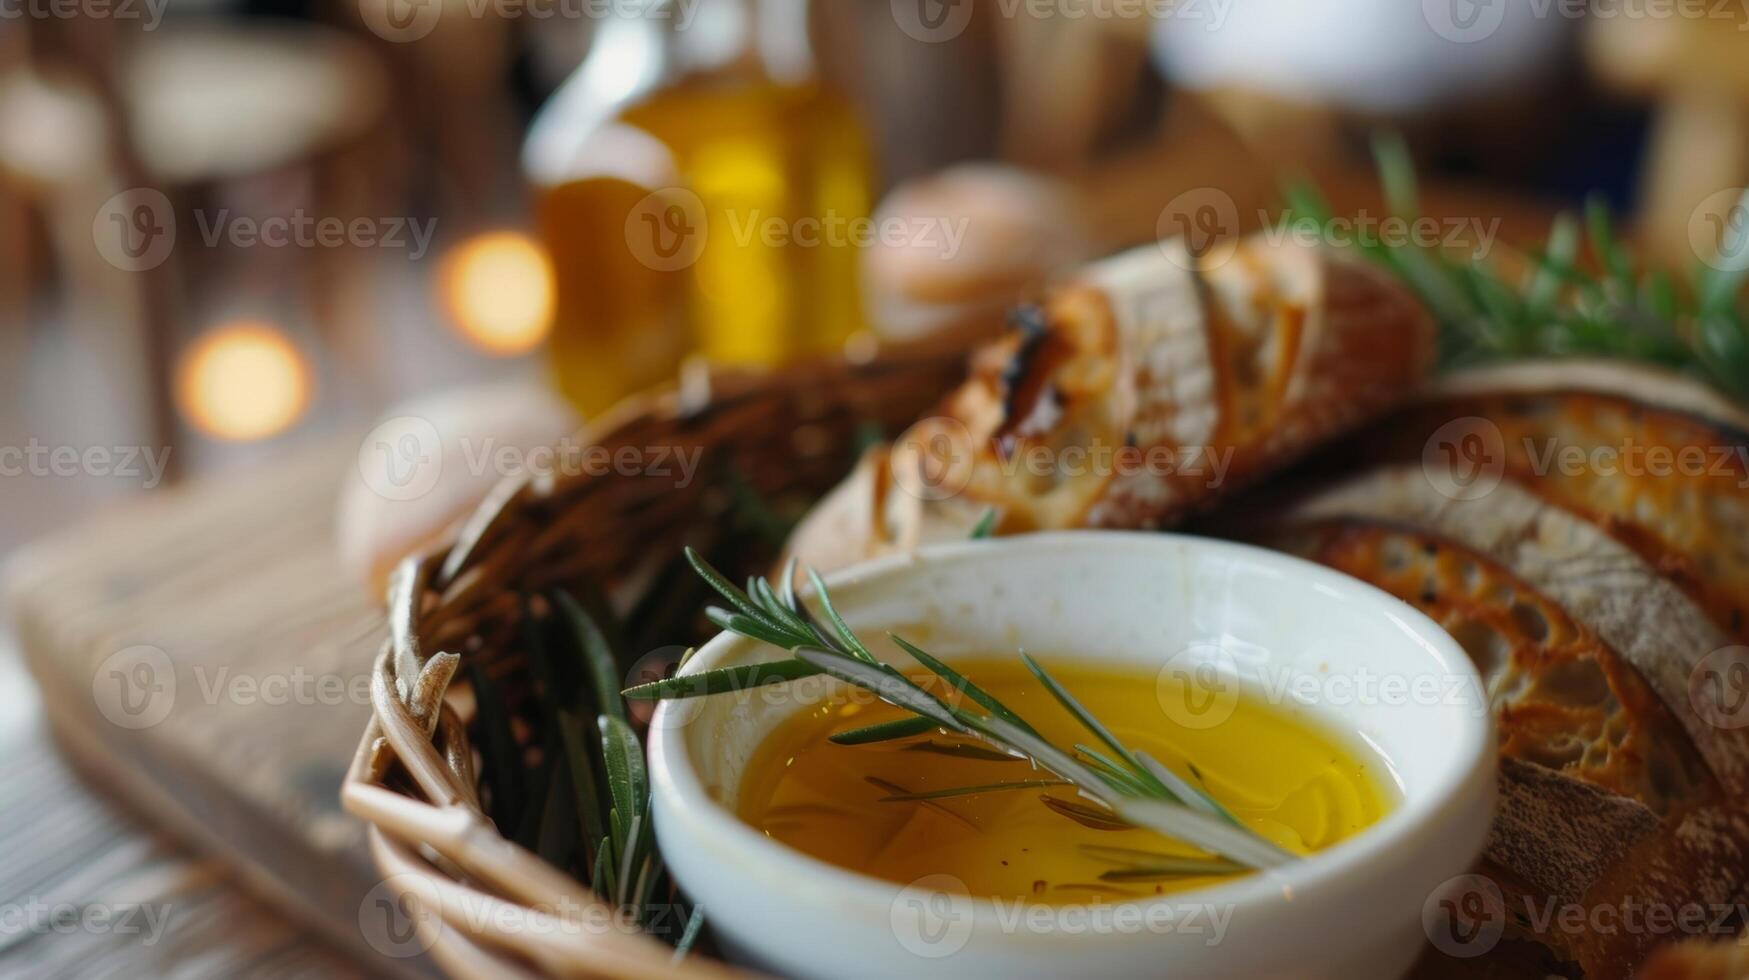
<point x="1698" y="960"/>
<point x="1141" y="389"/>
<point x="1602" y="599"/>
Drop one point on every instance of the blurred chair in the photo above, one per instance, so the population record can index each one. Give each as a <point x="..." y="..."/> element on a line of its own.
<point x="1696" y="69"/>
<point x="191" y="112"/>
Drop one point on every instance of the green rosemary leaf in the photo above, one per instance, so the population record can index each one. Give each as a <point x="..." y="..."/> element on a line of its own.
<point x="1397" y="174"/>
<point x="964" y="750"/>
<point x="852" y="645"/>
<point x="1563" y="251"/>
<point x="1092" y="724"/>
<point x="750" y="508"/>
<point x="1603" y="242"/>
<point x="1658" y="294"/>
<point x="1201" y="830"/>
<point x="886" y="731"/>
<point x="598" y="878"/>
<point x="579" y="763"/>
<point x="789" y="586"/>
<point x="1177" y="868"/>
<point x="757" y="629"/>
<point x="780" y="614"/>
<point x="723" y="680"/>
<point x="1089" y="817"/>
<point x="959" y="682"/>
<point x="1724" y="345"/>
<point x="723" y="586"/>
<point x="889" y="684"/>
<point x="985" y="526"/>
<point x="689" y="937"/>
<point x="1127" y="856"/>
<point x="1304" y="202"/>
<point x="598" y="656"/>
<point x="942" y="794"/>
<point x="1189" y="794"/>
<point x="557" y="835"/>
<point x="628" y="860"/>
<point x="1120" y="778"/>
<point x="627" y="781"/>
<point x="946" y="811"/>
<point x="504" y="769"/>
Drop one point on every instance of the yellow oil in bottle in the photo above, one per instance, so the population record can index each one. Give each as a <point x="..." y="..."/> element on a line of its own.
<point x="1285" y="777"/>
<point x="712" y="212"/>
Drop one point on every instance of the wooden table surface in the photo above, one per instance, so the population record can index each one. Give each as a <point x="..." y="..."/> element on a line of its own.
<point x="228" y="837"/>
<point x="88" y="889"/>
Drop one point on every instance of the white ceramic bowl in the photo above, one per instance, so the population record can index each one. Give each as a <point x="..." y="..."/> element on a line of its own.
<point x="1358" y="660"/>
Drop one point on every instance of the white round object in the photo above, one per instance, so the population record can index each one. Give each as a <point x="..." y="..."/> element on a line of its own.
<point x="1352" y="910"/>
<point x="1369" y="55"/>
<point x="429" y="461"/>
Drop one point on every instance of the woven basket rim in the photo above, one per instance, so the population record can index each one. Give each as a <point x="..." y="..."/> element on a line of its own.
<point x="443" y="849"/>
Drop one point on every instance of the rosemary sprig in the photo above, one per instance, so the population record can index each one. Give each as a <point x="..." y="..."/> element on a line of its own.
<point x="1557" y="308"/>
<point x="1127" y="788"/>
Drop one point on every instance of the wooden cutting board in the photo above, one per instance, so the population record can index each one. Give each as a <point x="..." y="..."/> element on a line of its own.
<point x="202" y="656"/>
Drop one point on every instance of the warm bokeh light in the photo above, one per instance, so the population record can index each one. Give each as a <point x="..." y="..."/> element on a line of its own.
<point x="498" y="291"/>
<point x="242" y="381"/>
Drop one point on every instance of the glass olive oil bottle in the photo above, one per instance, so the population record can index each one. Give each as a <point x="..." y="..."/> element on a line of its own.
<point x="698" y="191"/>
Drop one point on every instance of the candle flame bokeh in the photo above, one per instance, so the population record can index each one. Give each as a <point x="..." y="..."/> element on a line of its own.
<point x="498" y="290"/>
<point x="242" y="382"/>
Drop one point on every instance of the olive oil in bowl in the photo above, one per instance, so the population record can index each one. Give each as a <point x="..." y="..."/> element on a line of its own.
<point x="855" y="806"/>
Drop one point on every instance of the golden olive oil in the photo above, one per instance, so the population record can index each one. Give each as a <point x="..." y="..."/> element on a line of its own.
<point x="700" y="191"/>
<point x="1285" y="776"/>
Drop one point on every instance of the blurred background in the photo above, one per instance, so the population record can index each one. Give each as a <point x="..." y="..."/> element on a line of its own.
<point x="231" y="227"/>
<point x="246" y="243"/>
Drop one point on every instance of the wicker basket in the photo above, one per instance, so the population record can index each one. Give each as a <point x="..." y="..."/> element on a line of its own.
<point x="484" y="906"/>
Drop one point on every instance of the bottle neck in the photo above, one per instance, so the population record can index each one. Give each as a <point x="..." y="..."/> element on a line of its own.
<point x="764" y="37"/>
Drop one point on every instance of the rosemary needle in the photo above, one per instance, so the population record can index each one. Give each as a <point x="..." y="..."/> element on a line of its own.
<point x="1124" y="789"/>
